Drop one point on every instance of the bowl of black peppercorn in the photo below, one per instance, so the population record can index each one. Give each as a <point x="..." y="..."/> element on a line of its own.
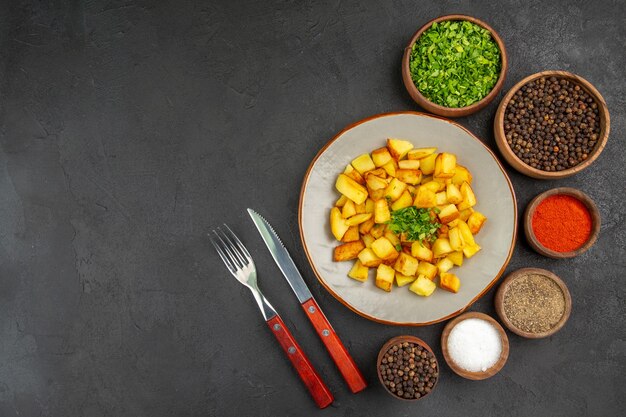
<point x="551" y="125"/>
<point x="407" y="368"/>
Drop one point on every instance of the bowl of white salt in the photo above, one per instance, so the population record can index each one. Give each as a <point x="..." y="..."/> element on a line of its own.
<point x="475" y="346"/>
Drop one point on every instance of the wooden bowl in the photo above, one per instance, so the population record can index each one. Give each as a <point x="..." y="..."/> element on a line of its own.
<point x="579" y="195"/>
<point x="452" y="111"/>
<point x="475" y="376"/>
<point x="396" y="341"/>
<point x="518" y="164"/>
<point x="499" y="302"/>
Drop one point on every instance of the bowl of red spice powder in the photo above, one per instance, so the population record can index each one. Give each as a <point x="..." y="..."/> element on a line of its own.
<point x="562" y="223"/>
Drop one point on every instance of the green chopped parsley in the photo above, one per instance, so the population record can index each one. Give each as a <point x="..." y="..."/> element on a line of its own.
<point x="417" y="223"/>
<point x="455" y="63"/>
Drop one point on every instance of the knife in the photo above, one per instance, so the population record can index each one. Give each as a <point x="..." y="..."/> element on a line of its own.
<point x="324" y="330"/>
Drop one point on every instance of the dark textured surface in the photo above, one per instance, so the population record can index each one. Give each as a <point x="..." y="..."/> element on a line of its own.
<point x="128" y="129"/>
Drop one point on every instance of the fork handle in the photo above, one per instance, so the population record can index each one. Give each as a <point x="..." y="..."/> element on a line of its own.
<point x="318" y="390"/>
<point x="346" y="365"/>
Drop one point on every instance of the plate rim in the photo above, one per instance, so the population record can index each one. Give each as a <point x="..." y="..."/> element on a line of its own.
<point x="337" y="296"/>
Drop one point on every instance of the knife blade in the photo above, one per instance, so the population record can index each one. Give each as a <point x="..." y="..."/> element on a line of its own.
<point x="338" y="352"/>
<point x="281" y="257"/>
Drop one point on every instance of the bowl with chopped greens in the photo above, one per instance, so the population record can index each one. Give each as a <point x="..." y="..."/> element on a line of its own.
<point x="454" y="65"/>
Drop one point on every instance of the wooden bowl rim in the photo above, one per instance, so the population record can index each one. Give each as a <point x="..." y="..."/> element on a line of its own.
<point x="502" y="289"/>
<point x="401" y="339"/>
<point x="420" y="99"/>
<point x="475" y="376"/>
<point x="572" y="192"/>
<point x="521" y="166"/>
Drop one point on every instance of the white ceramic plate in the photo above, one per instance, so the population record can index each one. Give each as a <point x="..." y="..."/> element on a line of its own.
<point x="493" y="190"/>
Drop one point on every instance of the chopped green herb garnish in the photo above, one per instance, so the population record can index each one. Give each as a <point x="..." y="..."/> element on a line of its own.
<point x="417" y="223"/>
<point x="455" y="63"/>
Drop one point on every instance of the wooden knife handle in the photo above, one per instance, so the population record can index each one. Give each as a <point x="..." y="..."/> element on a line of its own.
<point x="318" y="390"/>
<point x="337" y="350"/>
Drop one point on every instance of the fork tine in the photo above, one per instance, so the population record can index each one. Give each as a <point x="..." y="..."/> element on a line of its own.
<point x="229" y="248"/>
<point x="239" y="244"/>
<point x="225" y="256"/>
<point x="235" y="247"/>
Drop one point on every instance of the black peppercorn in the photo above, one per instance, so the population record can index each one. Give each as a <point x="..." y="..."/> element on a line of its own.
<point x="408" y="370"/>
<point x="561" y="129"/>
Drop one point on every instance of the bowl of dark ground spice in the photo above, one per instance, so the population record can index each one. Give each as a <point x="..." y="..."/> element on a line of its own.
<point x="561" y="223"/>
<point x="533" y="303"/>
<point x="552" y="124"/>
<point x="407" y="368"/>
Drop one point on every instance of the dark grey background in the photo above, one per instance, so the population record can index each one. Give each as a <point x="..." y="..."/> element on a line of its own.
<point x="129" y="129"/>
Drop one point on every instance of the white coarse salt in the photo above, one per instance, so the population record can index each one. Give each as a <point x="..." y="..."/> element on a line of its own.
<point x="474" y="345"/>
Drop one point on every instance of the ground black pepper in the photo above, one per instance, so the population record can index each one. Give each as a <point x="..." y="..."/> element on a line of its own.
<point x="552" y="124"/>
<point x="534" y="303"/>
<point x="409" y="370"/>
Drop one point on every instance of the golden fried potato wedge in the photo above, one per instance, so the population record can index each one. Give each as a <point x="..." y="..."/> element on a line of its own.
<point x="338" y="224"/>
<point x="404" y="201"/>
<point x="476" y="221"/>
<point x="456" y="239"/>
<point x="341" y="201"/>
<point x="384" y="277"/>
<point x="449" y="282"/>
<point x="348" y="251"/>
<point x="351" y="235"/>
<point x="381" y="211"/>
<point x="424" y="198"/>
<point x="363" y="163"/>
<point x="359" y="271"/>
<point x="448" y="213"/>
<point x="351" y="189"/>
<point x="392" y="237"/>
<point x="366" y="226"/>
<point x="461" y="175"/>
<point x="390" y="168"/>
<point x="469" y="199"/>
<point x="381" y="156"/>
<point x="348" y="209"/>
<point x="394" y="190"/>
<point x="402" y="280"/>
<point x="421" y="252"/>
<point x="427" y="164"/>
<point x="468" y="237"/>
<point x="406" y="264"/>
<point x="441" y="247"/>
<point x="427" y="269"/>
<point x="375" y="183"/>
<point x="444" y="265"/>
<point x="398" y="148"/>
<point x="409" y="176"/>
<point x="420" y="153"/>
<point x="471" y="250"/>
<point x="423" y="286"/>
<point x="378" y="230"/>
<point x="368" y="258"/>
<point x="354" y="174"/>
<point x="384" y="249"/>
<point x="453" y="194"/>
<point x="369" y="239"/>
<point x="456" y="258"/>
<point x="409" y="164"/>
<point x="358" y="219"/>
<point x="445" y="165"/>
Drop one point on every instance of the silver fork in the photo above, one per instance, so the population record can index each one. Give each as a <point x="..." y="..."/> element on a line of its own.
<point x="240" y="264"/>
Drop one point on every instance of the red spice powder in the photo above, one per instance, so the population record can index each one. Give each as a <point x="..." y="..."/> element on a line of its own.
<point x="562" y="223"/>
